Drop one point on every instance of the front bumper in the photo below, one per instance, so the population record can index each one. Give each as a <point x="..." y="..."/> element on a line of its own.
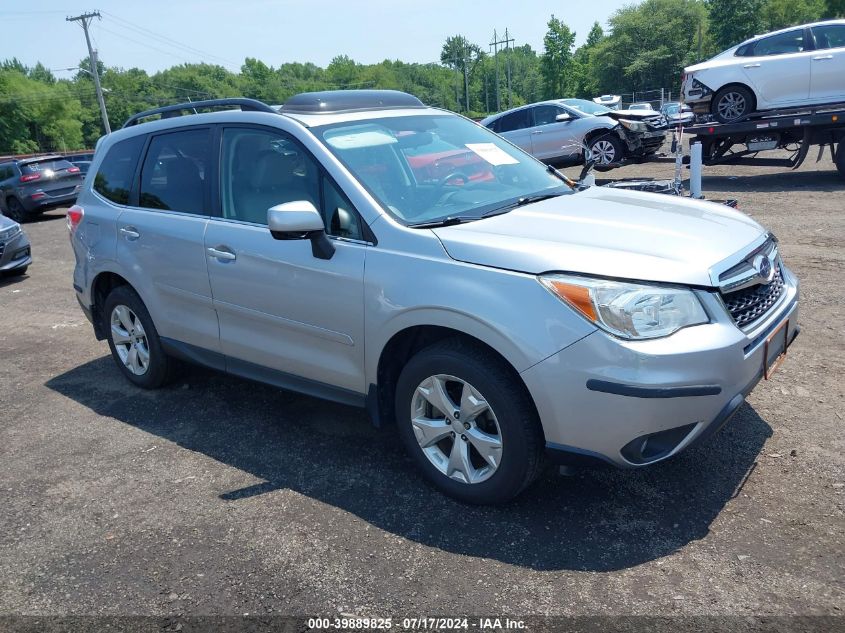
<point x="640" y="143"/>
<point x="632" y="403"/>
<point x="15" y="253"/>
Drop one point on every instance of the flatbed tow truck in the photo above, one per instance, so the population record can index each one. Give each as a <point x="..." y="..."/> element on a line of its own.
<point x="794" y="129"/>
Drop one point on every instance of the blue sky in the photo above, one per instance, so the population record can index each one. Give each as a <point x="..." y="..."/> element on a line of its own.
<point x="155" y="34"/>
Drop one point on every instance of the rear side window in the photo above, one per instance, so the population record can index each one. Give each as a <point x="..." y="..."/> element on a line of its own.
<point x="176" y="171"/>
<point x="781" y="44"/>
<point x="114" y="178"/>
<point x="515" y="121"/>
<point x="6" y="172"/>
<point x="829" y="36"/>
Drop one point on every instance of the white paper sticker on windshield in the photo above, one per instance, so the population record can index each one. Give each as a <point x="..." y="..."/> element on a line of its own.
<point x="492" y="153"/>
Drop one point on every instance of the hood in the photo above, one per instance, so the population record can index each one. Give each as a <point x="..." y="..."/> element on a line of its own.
<point x="6" y="223"/>
<point x="632" y="115"/>
<point x="610" y="233"/>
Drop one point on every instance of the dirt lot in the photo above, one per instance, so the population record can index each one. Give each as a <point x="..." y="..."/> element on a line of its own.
<point x="220" y="496"/>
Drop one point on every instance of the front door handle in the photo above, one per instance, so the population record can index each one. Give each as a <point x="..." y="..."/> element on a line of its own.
<point x="222" y="253"/>
<point x="130" y="232"/>
<point x="820" y="57"/>
<point x="537" y="131"/>
<point x="752" y="66"/>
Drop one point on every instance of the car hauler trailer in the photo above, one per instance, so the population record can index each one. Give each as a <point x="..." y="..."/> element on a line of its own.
<point x="795" y="129"/>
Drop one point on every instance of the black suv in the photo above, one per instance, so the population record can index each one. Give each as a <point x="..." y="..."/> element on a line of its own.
<point x="30" y="186"/>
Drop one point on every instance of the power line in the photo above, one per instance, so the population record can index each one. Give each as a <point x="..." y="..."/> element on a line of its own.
<point x="120" y="22"/>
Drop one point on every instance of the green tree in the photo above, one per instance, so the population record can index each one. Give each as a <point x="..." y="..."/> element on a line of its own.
<point x="556" y="62"/>
<point x="462" y="56"/>
<point x="733" y="21"/>
<point x="585" y="77"/>
<point x="779" y="14"/>
<point x="650" y="44"/>
<point x="834" y="9"/>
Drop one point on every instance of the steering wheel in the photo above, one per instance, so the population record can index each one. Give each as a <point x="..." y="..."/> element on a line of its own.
<point x="452" y="176"/>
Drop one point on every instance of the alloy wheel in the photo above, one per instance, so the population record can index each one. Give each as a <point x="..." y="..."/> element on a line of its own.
<point x="731" y="106"/>
<point x="130" y="340"/>
<point x="456" y="429"/>
<point x="604" y="152"/>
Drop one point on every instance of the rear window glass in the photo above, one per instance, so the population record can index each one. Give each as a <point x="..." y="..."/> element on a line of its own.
<point x="515" y="121"/>
<point x="780" y="44"/>
<point x="114" y="178"/>
<point x="175" y="172"/>
<point x="45" y="165"/>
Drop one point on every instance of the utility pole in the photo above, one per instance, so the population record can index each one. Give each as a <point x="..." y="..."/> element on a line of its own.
<point x="466" y="75"/>
<point x="496" y="45"/>
<point x="85" y="21"/>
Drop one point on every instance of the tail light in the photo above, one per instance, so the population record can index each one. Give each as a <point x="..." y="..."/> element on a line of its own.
<point x="73" y="170"/>
<point x="74" y="217"/>
<point x="30" y="177"/>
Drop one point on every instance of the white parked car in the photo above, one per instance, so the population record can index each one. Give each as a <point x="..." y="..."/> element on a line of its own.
<point x="645" y="105"/>
<point x="798" y="66"/>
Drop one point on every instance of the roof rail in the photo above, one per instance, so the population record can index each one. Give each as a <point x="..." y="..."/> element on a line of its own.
<point x="251" y="105"/>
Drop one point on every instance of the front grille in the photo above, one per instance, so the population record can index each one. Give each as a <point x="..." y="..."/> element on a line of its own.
<point x="750" y="304"/>
<point x="2" y="249"/>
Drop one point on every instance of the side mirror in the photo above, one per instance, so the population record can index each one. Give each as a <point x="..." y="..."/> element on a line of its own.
<point x="563" y="116"/>
<point x="341" y="221"/>
<point x="300" y="220"/>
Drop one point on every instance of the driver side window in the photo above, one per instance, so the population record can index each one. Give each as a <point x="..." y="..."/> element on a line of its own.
<point x="262" y="168"/>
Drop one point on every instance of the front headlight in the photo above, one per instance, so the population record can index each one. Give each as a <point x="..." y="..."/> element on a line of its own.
<point x="634" y="126"/>
<point x="628" y="310"/>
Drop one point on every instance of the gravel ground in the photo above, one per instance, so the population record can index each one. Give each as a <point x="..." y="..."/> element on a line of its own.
<point x="222" y="496"/>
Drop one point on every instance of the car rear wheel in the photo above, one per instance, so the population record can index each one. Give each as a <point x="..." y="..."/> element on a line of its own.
<point x="133" y="339"/>
<point x="732" y="103"/>
<point x="15" y="210"/>
<point x="468" y="423"/>
<point x="840" y="157"/>
<point x="606" y="149"/>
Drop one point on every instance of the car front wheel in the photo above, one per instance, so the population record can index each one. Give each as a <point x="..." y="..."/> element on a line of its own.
<point x="606" y="149"/>
<point x="468" y="422"/>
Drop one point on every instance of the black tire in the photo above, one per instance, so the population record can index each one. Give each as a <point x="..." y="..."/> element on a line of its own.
<point x="15" y="210"/>
<point x="743" y="104"/>
<point x="16" y="272"/>
<point x="519" y="428"/>
<point x="601" y="146"/>
<point x="840" y="157"/>
<point x="160" y="367"/>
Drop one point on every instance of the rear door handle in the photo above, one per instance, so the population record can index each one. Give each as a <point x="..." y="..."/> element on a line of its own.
<point x="130" y="232"/>
<point x="752" y="66"/>
<point x="222" y="253"/>
<point x="820" y="57"/>
<point x="537" y="131"/>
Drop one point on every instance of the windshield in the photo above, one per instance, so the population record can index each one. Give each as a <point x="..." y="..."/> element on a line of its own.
<point x="431" y="168"/>
<point x="587" y="107"/>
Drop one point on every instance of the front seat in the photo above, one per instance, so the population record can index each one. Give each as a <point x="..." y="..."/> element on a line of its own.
<point x="272" y="182"/>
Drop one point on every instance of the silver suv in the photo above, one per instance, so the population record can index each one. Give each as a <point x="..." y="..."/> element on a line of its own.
<point x="362" y="247"/>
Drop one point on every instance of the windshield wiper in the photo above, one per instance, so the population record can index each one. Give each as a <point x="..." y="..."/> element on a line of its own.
<point x="449" y="221"/>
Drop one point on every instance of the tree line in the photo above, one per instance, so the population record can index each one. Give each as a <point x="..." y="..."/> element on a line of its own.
<point x="642" y="47"/>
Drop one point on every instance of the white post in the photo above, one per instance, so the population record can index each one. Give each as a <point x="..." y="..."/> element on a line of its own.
<point x="695" y="170"/>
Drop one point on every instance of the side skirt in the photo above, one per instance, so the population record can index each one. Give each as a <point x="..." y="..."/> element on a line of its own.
<point x="251" y="371"/>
